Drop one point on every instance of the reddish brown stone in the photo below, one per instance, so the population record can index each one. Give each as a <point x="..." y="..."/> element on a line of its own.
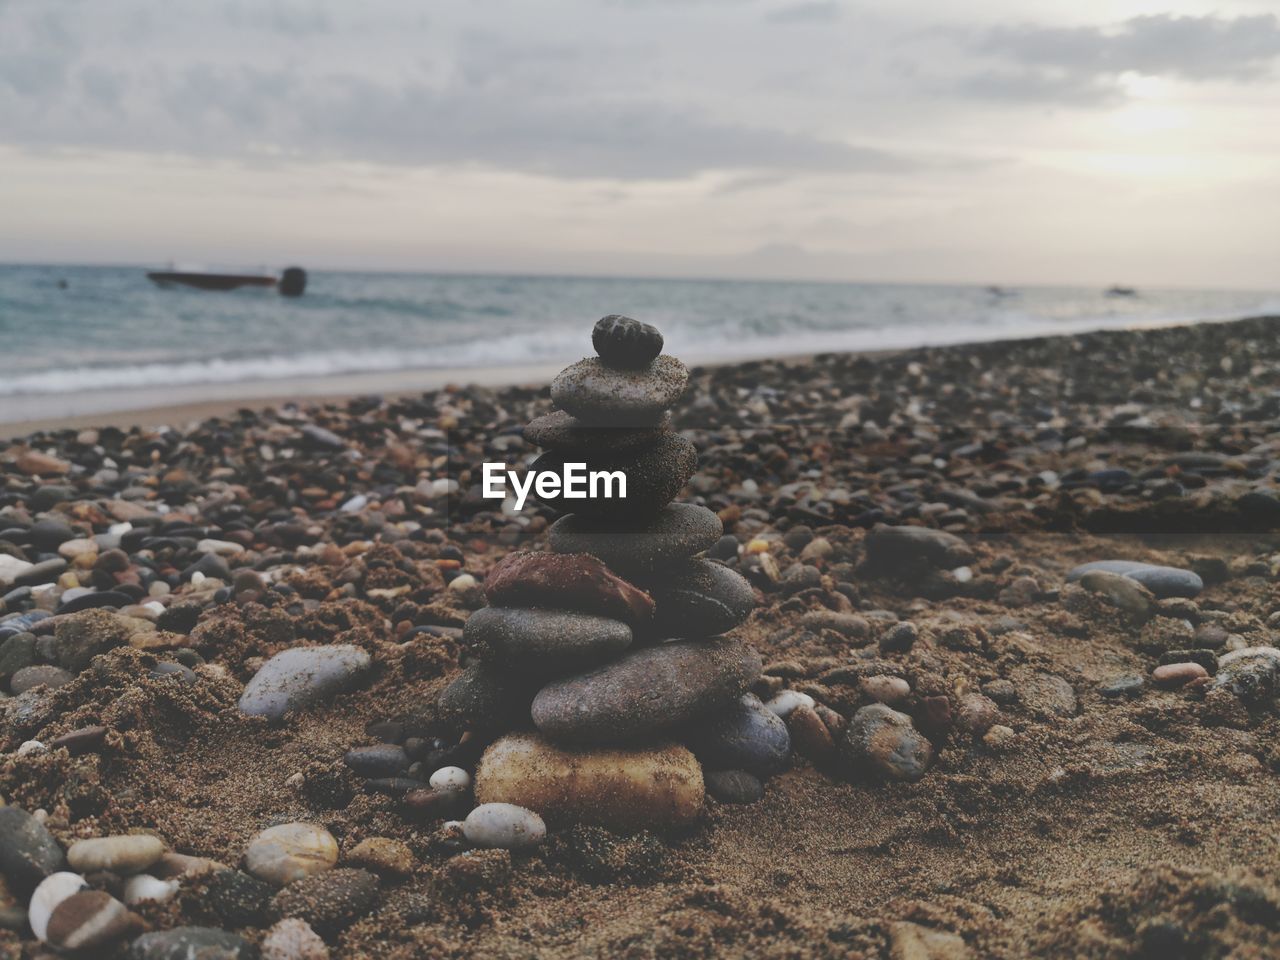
<point x="574" y="581"/>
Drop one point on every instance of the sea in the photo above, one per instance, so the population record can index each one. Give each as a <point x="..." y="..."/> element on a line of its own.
<point x="91" y="339"/>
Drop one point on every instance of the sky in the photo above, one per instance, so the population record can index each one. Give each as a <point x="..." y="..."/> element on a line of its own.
<point x="995" y="141"/>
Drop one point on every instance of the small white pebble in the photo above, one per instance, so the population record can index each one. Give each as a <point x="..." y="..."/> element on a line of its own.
<point x="962" y="574"/>
<point x="503" y="825"/>
<point x="450" y="780"/>
<point x="197" y="578"/>
<point x="30" y="746"/>
<point x="788" y="700"/>
<point x="463" y="581"/>
<point x="146" y="887"/>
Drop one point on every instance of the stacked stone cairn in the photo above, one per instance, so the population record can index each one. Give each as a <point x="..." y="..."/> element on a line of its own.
<point x="603" y="666"/>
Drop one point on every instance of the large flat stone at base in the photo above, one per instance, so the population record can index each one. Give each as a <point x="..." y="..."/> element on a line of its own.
<point x="657" y="788"/>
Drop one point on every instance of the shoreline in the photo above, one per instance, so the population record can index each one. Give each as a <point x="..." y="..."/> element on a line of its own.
<point x="156" y="406"/>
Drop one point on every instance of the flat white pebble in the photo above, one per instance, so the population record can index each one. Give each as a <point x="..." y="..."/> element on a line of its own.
<point x="146" y="887"/>
<point x="962" y="574"/>
<point x="30" y="746"/>
<point x="450" y="780"/>
<point x="788" y="700"/>
<point x="503" y="825"/>
<point x="52" y="890"/>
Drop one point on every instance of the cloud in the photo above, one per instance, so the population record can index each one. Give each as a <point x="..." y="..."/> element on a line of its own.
<point x="812" y="11"/>
<point x="1082" y="65"/>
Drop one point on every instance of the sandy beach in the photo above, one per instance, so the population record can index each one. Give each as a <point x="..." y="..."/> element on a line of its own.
<point x="1099" y="778"/>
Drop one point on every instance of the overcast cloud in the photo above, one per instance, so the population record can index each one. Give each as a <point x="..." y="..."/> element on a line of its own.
<point x="908" y="140"/>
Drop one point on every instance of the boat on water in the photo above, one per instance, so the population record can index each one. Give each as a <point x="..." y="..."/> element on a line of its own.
<point x="1121" y="292"/>
<point x="290" y="283"/>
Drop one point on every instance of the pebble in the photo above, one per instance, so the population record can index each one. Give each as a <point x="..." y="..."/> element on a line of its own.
<point x="1163" y="582"/>
<point x="28" y="678"/>
<point x="121" y="854"/>
<point x="1046" y="695"/>
<point x="593" y="391"/>
<point x="880" y="740"/>
<point x="734" y="786"/>
<point x="504" y="826"/>
<point x="548" y="642"/>
<point x="885" y="689"/>
<point x="655" y="473"/>
<point x="191" y="943"/>
<point x="290" y="851"/>
<point x="236" y="898"/>
<point x="574" y="581"/>
<point x="1178" y="674"/>
<point x="646" y="692"/>
<point x="383" y="855"/>
<point x="1000" y="738"/>
<point x="701" y="599"/>
<point x="379" y="760"/>
<point x="45" y="898"/>
<point x="627" y="343"/>
<point x="747" y="736"/>
<point x="303" y="677"/>
<point x="679" y="531"/>
<point x="450" y="780"/>
<point x="1123" y="592"/>
<point x="976" y="714"/>
<point x="1250" y="673"/>
<point x="330" y="901"/>
<point x="88" y="921"/>
<point x="1126" y="686"/>
<point x="850" y="625"/>
<point x="28" y="852"/>
<point x="911" y="941"/>
<point x="899" y="638"/>
<point x="146" y="887"/>
<point x="645" y="788"/>
<point x="293" y="939"/>
<point x="566" y="433"/>
<point x="788" y="700"/>
<point x="810" y="735"/>
<point x="484" y="698"/>
<point x="892" y="548"/>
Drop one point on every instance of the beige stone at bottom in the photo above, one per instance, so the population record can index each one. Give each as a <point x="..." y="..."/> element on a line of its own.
<point x="652" y="788"/>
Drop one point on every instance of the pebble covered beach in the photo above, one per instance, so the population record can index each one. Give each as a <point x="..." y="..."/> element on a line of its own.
<point x="948" y="653"/>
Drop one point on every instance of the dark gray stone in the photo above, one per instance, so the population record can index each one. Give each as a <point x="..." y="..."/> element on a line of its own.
<point x="484" y="698"/>
<point x="380" y="760"/>
<point x="746" y="736"/>
<point x="303" y="677"/>
<point x="646" y="692"/>
<point x="564" y="432"/>
<point x="1127" y="686"/>
<point x="1164" y="582"/>
<point x="16" y="652"/>
<point x="655" y="473"/>
<point x="623" y="342"/>
<point x="28" y="678"/>
<point x="678" y="532"/>
<point x="28" y="852"/>
<point x="545" y="641"/>
<point x="594" y="392"/>
<point x="700" y="599"/>
<point x="897" y="548"/>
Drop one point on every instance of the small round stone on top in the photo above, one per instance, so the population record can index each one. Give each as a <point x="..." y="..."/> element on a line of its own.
<point x="623" y="342"/>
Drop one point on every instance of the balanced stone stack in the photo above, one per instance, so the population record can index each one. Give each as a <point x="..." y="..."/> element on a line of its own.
<point x="605" y="662"/>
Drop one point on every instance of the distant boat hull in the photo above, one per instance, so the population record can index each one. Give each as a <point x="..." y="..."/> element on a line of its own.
<point x="209" y="281"/>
